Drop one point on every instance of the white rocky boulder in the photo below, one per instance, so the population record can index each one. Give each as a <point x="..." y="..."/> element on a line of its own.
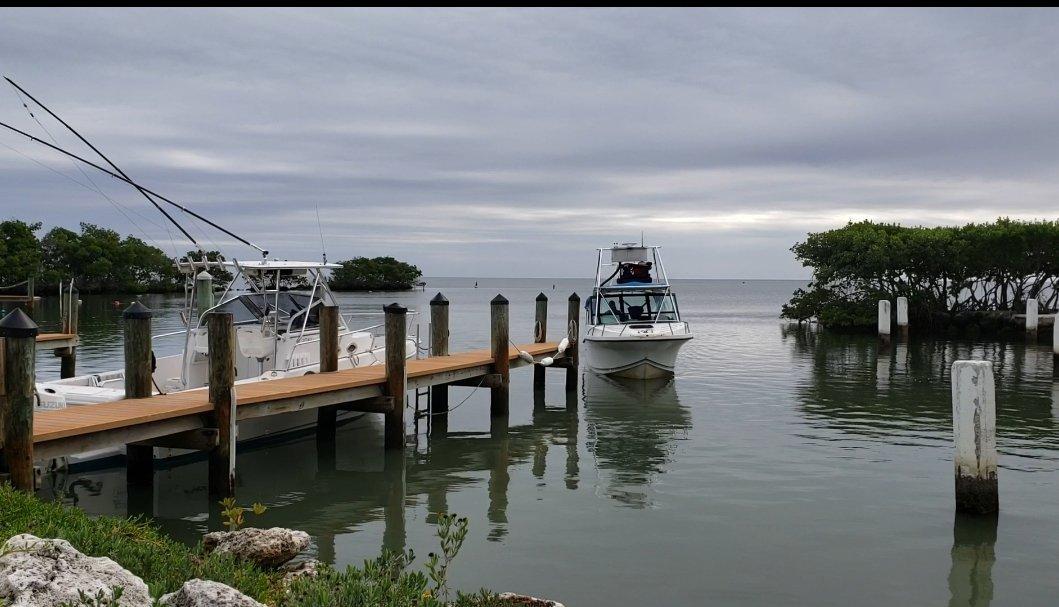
<point x="37" y="572"/>
<point x="307" y="569"/>
<point x="205" y="593"/>
<point x="528" y="601"/>
<point x="265" y="547"/>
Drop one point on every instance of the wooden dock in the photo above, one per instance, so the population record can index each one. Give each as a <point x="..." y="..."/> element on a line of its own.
<point x="206" y="419"/>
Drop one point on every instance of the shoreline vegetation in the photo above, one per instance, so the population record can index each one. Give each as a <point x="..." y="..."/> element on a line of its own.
<point x="101" y="261"/>
<point x="975" y="277"/>
<point x="165" y="564"/>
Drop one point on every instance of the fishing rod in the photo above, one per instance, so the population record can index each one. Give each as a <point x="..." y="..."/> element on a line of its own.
<point x="103" y="156"/>
<point x="134" y="184"/>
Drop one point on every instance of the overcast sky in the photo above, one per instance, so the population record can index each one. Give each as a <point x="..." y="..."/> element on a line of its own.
<point x="514" y="142"/>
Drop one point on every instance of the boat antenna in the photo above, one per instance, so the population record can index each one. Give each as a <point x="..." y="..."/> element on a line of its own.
<point x="320" y="227"/>
<point x="108" y="161"/>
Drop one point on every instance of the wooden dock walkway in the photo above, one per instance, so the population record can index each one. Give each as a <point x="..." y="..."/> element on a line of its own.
<point x="207" y="419"/>
<point x="85" y="428"/>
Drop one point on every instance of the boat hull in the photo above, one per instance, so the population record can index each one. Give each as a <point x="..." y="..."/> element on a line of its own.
<point x="634" y="358"/>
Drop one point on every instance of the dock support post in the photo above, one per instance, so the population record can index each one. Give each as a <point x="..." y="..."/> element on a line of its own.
<point x="884" y="323"/>
<point x="540" y="334"/>
<point x="902" y="317"/>
<point x="220" y="330"/>
<point x="327" y="417"/>
<point x="19" y="334"/>
<point x="974" y="432"/>
<point x="439" y="346"/>
<point x="68" y="356"/>
<point x="136" y="320"/>
<point x="1032" y="318"/>
<point x="573" y="333"/>
<point x="396" y="373"/>
<point x="499" y="338"/>
<point x="1055" y="347"/>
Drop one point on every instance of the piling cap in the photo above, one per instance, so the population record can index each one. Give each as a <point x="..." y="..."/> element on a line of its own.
<point x="394" y="308"/>
<point x="499" y="300"/>
<point x="439" y="300"/>
<point x="18" y="324"/>
<point x="204" y="275"/>
<point x="542" y="297"/>
<point x="137" y="311"/>
<point x="575" y="297"/>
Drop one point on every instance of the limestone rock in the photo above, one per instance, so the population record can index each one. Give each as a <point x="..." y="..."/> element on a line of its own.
<point x="37" y="572"/>
<point x="529" y="601"/>
<point x="293" y="571"/>
<point x="265" y="547"/>
<point x="205" y="593"/>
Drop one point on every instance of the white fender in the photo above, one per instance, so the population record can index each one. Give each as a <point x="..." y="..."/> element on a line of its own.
<point x="546" y="361"/>
<point x="563" y="345"/>
<point x="526" y="356"/>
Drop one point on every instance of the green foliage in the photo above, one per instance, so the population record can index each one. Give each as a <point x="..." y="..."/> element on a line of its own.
<point x="164" y="564"/>
<point x="99" y="599"/>
<point x="102" y="261"/>
<point x="233" y="514"/>
<point x="20" y="251"/>
<point x="943" y="271"/>
<point x="374" y="274"/>
<point x="452" y="530"/>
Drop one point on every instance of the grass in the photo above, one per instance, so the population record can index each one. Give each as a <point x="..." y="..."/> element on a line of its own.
<point x="165" y="564"/>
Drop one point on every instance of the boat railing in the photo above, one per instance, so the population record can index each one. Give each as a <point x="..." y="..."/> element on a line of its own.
<point x="602" y="329"/>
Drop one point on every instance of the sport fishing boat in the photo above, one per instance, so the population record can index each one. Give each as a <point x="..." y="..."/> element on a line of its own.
<point x="633" y="325"/>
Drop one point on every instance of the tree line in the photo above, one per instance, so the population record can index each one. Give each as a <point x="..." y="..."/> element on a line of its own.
<point x="102" y="261"/>
<point x="945" y="272"/>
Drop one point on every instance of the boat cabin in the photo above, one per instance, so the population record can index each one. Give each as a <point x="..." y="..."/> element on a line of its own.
<point x="631" y="287"/>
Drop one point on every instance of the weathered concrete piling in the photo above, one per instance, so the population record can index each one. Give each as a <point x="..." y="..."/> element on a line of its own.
<point x="1032" y="317"/>
<point x="439" y="346"/>
<point x="902" y="317"/>
<point x="884" y="323"/>
<point x="136" y="323"/>
<point x="19" y="336"/>
<point x="220" y="329"/>
<point x="974" y="434"/>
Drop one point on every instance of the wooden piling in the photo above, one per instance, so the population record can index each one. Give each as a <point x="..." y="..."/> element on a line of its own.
<point x="499" y="337"/>
<point x="396" y="373"/>
<point x="19" y="334"/>
<point x="884" y="323"/>
<point x="902" y="317"/>
<point x="68" y="356"/>
<point x="540" y="333"/>
<point x="573" y="333"/>
<point x="221" y="342"/>
<point x="1032" y="317"/>
<point x="974" y="433"/>
<point x="327" y="417"/>
<point x="139" y="459"/>
<point x="1055" y="347"/>
<point x="439" y="346"/>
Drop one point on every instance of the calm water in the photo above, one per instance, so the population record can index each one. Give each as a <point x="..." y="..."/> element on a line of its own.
<point x="779" y="467"/>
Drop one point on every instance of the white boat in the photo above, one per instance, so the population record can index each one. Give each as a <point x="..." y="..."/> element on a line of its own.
<point x="275" y="306"/>
<point x="633" y="325"/>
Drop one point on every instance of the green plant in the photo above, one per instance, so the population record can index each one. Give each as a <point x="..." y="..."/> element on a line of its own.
<point x="233" y="513"/>
<point x="452" y="530"/>
<point x="99" y="599"/>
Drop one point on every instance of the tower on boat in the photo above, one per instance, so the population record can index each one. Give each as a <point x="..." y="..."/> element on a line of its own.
<point x="633" y="320"/>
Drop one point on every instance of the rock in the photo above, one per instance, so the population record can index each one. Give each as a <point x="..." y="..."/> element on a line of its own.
<point x="293" y="571"/>
<point x="265" y="547"/>
<point x="37" y="572"/>
<point x="530" y="601"/>
<point x="204" y="593"/>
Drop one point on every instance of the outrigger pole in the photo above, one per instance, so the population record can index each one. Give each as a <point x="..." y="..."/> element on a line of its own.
<point x="148" y="193"/>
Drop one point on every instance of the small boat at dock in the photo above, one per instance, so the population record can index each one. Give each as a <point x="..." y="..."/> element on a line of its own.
<point x="633" y="324"/>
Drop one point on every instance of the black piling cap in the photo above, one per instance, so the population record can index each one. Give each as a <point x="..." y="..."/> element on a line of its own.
<point x="394" y="308"/>
<point x="575" y="297"/>
<point x="542" y="297"/>
<point x="499" y="300"/>
<point x="18" y="324"/>
<point x="137" y="311"/>
<point x="439" y="300"/>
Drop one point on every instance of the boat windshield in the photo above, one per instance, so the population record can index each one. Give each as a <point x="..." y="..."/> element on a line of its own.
<point x="252" y="308"/>
<point x="634" y="307"/>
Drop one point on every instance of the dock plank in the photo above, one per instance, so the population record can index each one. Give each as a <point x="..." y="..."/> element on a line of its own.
<point x="90" y="419"/>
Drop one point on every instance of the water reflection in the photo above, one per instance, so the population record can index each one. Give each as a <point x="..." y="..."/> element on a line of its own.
<point x="973" y="555"/>
<point x="631" y="429"/>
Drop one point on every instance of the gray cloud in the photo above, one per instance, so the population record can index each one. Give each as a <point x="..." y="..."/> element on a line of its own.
<point x="506" y="142"/>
